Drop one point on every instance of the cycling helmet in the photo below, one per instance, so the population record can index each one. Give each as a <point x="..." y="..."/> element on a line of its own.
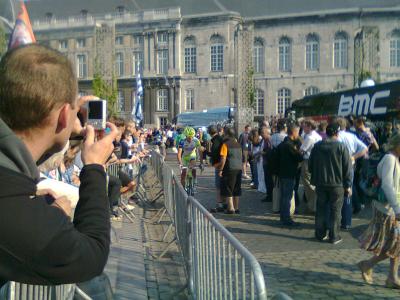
<point x="189" y="132"/>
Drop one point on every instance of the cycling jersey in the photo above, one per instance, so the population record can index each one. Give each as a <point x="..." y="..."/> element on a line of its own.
<point x="189" y="149"/>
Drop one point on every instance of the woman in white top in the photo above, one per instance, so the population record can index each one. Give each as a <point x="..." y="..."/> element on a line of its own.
<point x="382" y="236"/>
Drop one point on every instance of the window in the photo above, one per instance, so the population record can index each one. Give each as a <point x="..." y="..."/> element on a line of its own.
<point x="82" y="93"/>
<point x="138" y="61"/>
<point x="119" y="64"/>
<point x="312" y="52"/>
<point x="81" y="66"/>
<point x="119" y="40"/>
<point x="138" y="40"/>
<point x="283" y="100"/>
<point x="49" y="17"/>
<point x="162" y="61"/>
<point x="340" y="51"/>
<point x="217" y="54"/>
<point x="163" y="121"/>
<point x="258" y="56"/>
<point x="190" y="55"/>
<point x="63" y="45"/>
<point x="120" y="11"/>
<point x="162" y="100"/>
<point x="189" y="99"/>
<point x="395" y="49"/>
<point x="162" y="37"/>
<point x="121" y="100"/>
<point x="312" y="90"/>
<point x="285" y="55"/>
<point x="80" y="43"/>
<point x="259" y="97"/>
<point x="84" y="13"/>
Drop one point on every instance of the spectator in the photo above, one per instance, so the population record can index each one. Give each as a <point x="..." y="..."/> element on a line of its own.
<point x="215" y="160"/>
<point x="330" y="167"/>
<point x="382" y="237"/>
<point x="386" y="134"/>
<point x="255" y="143"/>
<point x="356" y="150"/>
<point x="231" y="171"/>
<point x="365" y="135"/>
<point x="289" y="157"/>
<point x="310" y="139"/>
<point x="244" y="143"/>
<point x="266" y="147"/>
<point x="280" y="134"/>
<point x="322" y="129"/>
<point x="38" y="109"/>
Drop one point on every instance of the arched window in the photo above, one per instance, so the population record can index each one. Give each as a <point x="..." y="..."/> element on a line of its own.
<point x="217" y="53"/>
<point x="285" y="55"/>
<point x="340" y="50"/>
<point x="312" y="52"/>
<point x="259" y="105"/>
<point x="284" y="98"/>
<point x="190" y="55"/>
<point x="311" y="90"/>
<point x="258" y="56"/>
<point x="395" y="49"/>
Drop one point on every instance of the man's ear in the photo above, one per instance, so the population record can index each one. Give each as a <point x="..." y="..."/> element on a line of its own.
<point x="63" y="116"/>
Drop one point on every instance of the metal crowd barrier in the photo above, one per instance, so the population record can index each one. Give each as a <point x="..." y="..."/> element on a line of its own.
<point x="20" y="291"/>
<point x="217" y="265"/>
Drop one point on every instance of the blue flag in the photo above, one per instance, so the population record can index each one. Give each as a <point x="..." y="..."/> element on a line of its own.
<point x="138" y="112"/>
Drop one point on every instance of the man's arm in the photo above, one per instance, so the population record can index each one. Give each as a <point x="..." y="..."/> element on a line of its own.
<point x="346" y="168"/>
<point x="361" y="149"/>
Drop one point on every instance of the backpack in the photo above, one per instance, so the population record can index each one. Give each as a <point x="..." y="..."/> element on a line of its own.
<point x="370" y="183"/>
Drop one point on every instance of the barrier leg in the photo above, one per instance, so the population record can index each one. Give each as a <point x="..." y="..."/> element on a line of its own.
<point x="167" y="232"/>
<point x="166" y="249"/>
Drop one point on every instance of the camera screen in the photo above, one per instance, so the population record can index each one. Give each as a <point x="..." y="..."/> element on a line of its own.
<point x="95" y="110"/>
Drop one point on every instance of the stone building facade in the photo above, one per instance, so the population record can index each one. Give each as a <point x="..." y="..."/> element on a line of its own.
<point x="187" y="59"/>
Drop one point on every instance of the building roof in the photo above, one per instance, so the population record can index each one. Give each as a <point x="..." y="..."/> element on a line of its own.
<point x="247" y="8"/>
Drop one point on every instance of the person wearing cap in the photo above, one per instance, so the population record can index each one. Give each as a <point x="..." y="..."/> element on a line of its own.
<point x="382" y="237"/>
<point x="330" y="167"/>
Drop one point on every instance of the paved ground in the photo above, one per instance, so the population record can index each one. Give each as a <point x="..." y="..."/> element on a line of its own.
<point x="292" y="261"/>
<point x="133" y="267"/>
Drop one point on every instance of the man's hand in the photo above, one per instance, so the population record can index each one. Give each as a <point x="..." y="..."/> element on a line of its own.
<point x="60" y="202"/>
<point x="348" y="192"/>
<point x="220" y="173"/>
<point x="64" y="204"/>
<point x="97" y="152"/>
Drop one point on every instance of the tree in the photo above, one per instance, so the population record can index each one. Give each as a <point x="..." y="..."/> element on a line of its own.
<point x="106" y="91"/>
<point x="3" y="41"/>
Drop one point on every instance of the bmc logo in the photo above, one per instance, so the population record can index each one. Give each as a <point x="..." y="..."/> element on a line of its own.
<point x="362" y="104"/>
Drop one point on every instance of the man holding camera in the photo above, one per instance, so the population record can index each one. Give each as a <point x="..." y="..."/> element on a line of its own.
<point x="38" y="109"/>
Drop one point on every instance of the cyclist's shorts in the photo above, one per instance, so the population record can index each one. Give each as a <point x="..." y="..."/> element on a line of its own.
<point x="186" y="160"/>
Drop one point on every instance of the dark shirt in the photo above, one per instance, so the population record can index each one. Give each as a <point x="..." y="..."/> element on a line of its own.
<point x="216" y="143"/>
<point x="289" y="157"/>
<point x="266" y="151"/>
<point x="42" y="245"/>
<point x="330" y="164"/>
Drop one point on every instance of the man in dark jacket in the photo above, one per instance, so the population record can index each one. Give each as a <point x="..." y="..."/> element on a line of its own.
<point x="38" y="109"/>
<point x="215" y="159"/>
<point x="230" y="171"/>
<point x="330" y="167"/>
<point x="289" y="157"/>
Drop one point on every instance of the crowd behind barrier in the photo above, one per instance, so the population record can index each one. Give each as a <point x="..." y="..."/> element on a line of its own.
<point x="218" y="266"/>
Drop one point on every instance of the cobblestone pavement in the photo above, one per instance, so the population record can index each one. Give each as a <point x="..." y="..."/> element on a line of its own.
<point x="292" y="260"/>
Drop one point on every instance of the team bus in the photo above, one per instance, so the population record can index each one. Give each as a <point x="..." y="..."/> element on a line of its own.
<point x="378" y="103"/>
<point x="221" y="115"/>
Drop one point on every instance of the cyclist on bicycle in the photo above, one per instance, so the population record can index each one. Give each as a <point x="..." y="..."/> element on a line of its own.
<point x="188" y="152"/>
